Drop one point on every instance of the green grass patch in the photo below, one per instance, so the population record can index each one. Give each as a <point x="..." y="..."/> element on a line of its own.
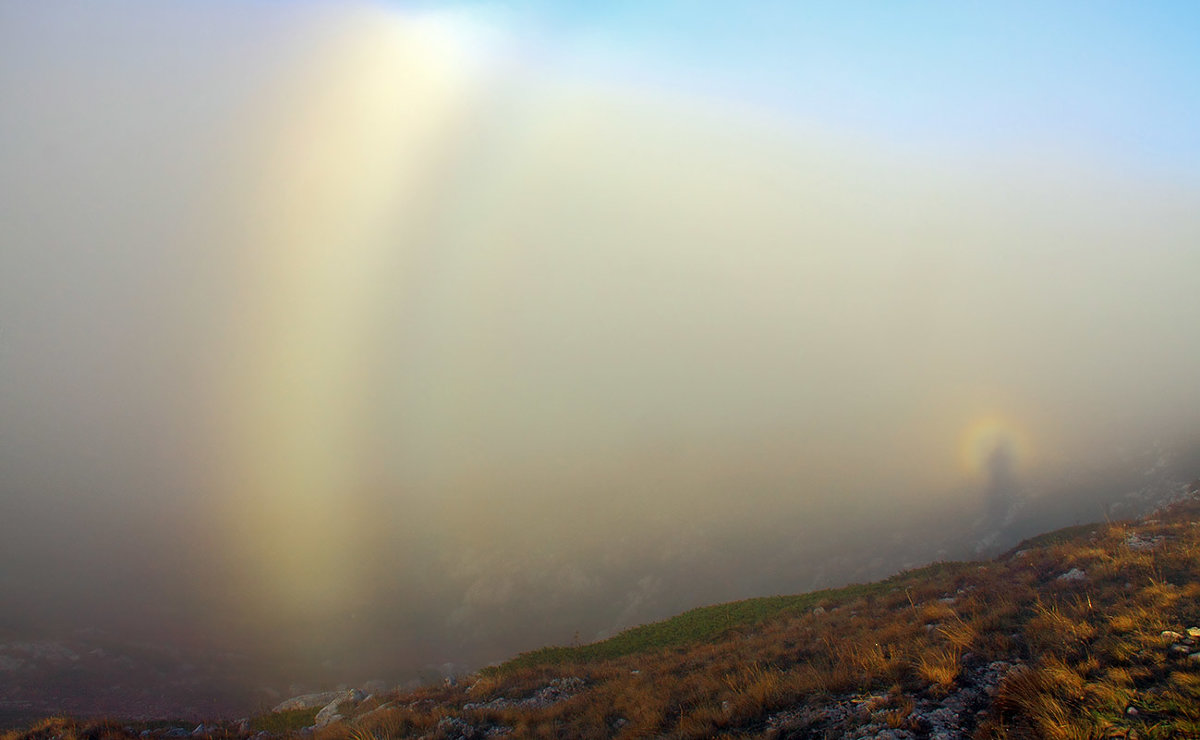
<point x="709" y="622"/>
<point x="291" y="720"/>
<point x="706" y="623"/>
<point x="1057" y="537"/>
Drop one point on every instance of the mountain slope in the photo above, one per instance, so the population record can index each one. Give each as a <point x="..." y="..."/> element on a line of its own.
<point x="1086" y="632"/>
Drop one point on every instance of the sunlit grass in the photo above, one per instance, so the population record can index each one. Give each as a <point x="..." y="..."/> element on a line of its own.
<point x="1094" y="662"/>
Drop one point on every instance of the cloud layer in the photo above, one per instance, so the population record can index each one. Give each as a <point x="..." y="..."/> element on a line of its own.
<point x="325" y="314"/>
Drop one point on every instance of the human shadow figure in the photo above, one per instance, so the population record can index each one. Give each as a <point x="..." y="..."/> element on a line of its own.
<point x="1000" y="495"/>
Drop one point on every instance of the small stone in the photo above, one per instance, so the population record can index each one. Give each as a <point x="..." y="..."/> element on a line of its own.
<point x="1194" y="633"/>
<point x="1074" y="574"/>
<point x="1138" y="544"/>
<point x="1131" y="711"/>
<point x="1171" y="635"/>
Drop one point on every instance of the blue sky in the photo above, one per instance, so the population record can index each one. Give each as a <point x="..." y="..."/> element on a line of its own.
<point x="1108" y="80"/>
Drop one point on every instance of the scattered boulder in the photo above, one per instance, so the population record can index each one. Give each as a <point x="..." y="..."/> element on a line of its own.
<point x="554" y="692"/>
<point x="307" y="701"/>
<point x="336" y="710"/>
<point x="1073" y="575"/>
<point x="456" y="728"/>
<point x="375" y="712"/>
<point x="1141" y="544"/>
<point x="951" y="717"/>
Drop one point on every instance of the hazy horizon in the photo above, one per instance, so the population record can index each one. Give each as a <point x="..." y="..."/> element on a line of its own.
<point x="448" y="330"/>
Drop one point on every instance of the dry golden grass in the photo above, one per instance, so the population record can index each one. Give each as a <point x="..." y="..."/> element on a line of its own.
<point x="899" y="716"/>
<point x="1054" y="625"/>
<point x="65" y="728"/>
<point x="940" y="667"/>
<point x="1122" y="623"/>
<point x="1090" y="650"/>
<point x="958" y="633"/>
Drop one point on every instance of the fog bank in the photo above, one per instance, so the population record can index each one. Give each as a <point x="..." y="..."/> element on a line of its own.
<point x="368" y="338"/>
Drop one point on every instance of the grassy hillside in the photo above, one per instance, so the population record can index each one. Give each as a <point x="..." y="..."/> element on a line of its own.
<point x="705" y="623"/>
<point x="1089" y="632"/>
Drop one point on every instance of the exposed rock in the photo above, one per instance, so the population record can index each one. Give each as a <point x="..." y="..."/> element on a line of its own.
<point x="1074" y="574"/>
<point x="457" y="728"/>
<point x="382" y="708"/>
<point x="1141" y="544"/>
<point x="307" y="701"/>
<point x="949" y="718"/>
<point x="336" y="710"/>
<point x="554" y="692"/>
